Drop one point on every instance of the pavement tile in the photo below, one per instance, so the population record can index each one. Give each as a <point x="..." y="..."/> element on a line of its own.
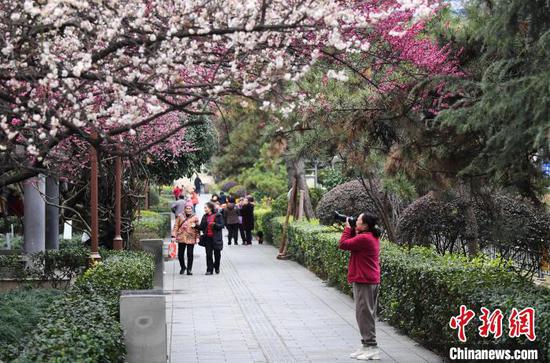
<point x="259" y="309"/>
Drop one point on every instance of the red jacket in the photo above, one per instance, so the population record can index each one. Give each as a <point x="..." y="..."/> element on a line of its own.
<point x="364" y="264"/>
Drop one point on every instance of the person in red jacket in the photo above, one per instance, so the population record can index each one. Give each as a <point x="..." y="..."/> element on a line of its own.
<point x="364" y="275"/>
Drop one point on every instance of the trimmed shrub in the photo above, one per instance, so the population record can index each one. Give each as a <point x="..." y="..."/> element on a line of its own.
<point x="77" y="328"/>
<point x="315" y="195"/>
<point x="510" y="224"/>
<point x="19" y="312"/>
<point x="330" y="178"/>
<point x="59" y="267"/>
<point x="56" y="267"/>
<point x="238" y="191"/>
<point x="259" y="217"/>
<point x="154" y="198"/>
<point x="421" y="290"/>
<point x="349" y="198"/>
<point x="228" y="185"/>
<point x="83" y="326"/>
<point x="280" y="204"/>
<point x="121" y="270"/>
<point x="150" y="225"/>
<point x="275" y="231"/>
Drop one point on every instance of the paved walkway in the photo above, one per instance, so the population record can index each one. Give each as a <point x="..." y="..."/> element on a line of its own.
<point x="259" y="309"/>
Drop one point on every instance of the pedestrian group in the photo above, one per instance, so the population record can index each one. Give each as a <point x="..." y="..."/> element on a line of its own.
<point x="222" y="211"/>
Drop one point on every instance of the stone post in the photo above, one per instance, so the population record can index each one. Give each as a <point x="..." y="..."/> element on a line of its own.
<point x="52" y="213"/>
<point x="35" y="215"/>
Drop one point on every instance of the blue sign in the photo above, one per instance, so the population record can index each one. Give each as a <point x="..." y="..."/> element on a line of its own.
<point x="546" y="169"/>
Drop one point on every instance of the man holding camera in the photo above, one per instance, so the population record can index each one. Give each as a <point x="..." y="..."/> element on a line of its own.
<point x="360" y="237"/>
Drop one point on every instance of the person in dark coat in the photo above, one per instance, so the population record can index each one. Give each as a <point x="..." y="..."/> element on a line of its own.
<point x="247" y="212"/>
<point x="231" y="216"/>
<point x="198" y="183"/>
<point x="211" y="227"/>
<point x="223" y="198"/>
<point x="240" y="226"/>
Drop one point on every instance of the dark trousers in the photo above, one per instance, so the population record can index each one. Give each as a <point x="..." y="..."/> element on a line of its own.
<point x="215" y="263"/>
<point x="181" y="251"/>
<point x="233" y="233"/>
<point x="248" y="234"/>
<point x="241" y="230"/>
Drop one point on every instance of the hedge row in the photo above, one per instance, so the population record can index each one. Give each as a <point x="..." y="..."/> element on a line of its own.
<point x="19" y="311"/>
<point x="421" y="289"/>
<point x="151" y="224"/>
<point x="84" y="325"/>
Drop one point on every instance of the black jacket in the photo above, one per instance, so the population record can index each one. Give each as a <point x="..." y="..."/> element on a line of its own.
<point x="218" y="228"/>
<point x="247" y="212"/>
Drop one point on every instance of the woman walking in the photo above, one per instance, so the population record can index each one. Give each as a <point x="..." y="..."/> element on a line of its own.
<point x="212" y="240"/>
<point x="364" y="274"/>
<point x="231" y="215"/>
<point x="185" y="233"/>
<point x="247" y="212"/>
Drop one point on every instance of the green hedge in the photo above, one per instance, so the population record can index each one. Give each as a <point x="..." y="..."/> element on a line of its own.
<point x="151" y="224"/>
<point x="57" y="267"/>
<point x="19" y="311"/>
<point x="121" y="270"/>
<point x="83" y="326"/>
<point x="421" y="290"/>
<point x="78" y="328"/>
<point x="262" y="221"/>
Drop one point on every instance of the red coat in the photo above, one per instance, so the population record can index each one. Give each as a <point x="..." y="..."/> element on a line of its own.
<point x="364" y="264"/>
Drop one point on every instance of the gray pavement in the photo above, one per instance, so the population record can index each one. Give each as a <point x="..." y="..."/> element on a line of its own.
<point x="260" y="309"/>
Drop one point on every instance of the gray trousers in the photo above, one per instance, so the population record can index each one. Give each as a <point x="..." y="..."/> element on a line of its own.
<point x="366" y="300"/>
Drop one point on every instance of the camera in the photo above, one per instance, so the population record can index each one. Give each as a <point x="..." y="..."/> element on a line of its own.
<point x="343" y="218"/>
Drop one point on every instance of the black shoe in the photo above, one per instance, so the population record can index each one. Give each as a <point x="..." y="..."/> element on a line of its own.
<point x="208" y="273"/>
<point x="229" y="243"/>
<point x="189" y="272"/>
<point x="182" y="271"/>
<point x="217" y="270"/>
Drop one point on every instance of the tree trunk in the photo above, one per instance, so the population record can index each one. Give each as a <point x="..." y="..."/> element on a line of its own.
<point x="295" y="168"/>
<point x="146" y="202"/>
<point x="471" y="227"/>
<point x="383" y="207"/>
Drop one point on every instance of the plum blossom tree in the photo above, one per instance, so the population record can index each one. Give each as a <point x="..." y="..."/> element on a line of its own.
<point x="126" y="75"/>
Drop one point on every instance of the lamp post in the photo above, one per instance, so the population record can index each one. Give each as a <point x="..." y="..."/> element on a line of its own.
<point x="117" y="241"/>
<point x="94" y="222"/>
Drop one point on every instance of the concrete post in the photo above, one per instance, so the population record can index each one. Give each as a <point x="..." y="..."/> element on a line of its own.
<point x="143" y="320"/>
<point x="52" y="213"/>
<point x="155" y="247"/>
<point x="35" y="215"/>
<point x="117" y="241"/>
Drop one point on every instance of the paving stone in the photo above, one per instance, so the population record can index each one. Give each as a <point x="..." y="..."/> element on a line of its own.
<point x="259" y="309"/>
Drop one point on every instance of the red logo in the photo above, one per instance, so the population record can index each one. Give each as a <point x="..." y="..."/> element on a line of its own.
<point x="519" y="323"/>
<point x="522" y="323"/>
<point x="461" y="321"/>
<point x="491" y="323"/>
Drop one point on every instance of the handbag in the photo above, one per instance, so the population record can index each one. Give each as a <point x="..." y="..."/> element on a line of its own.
<point x="202" y="240"/>
<point x="172" y="249"/>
